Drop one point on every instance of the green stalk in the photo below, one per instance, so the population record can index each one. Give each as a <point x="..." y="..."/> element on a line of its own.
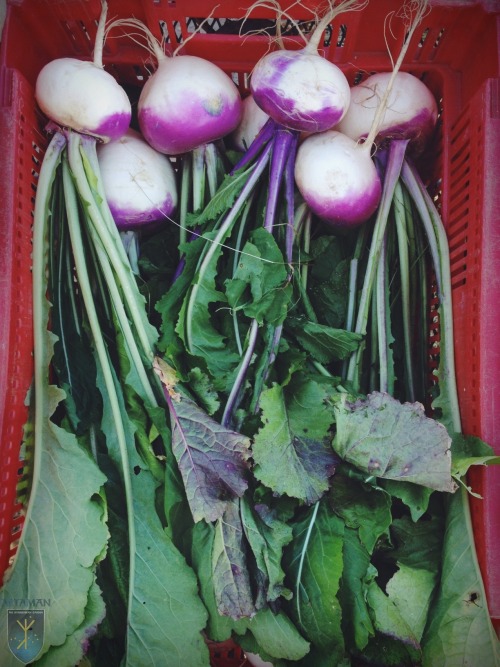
<point x="41" y="354"/>
<point x="102" y="353"/>
<point x="236" y="257"/>
<point x="198" y="167"/>
<point x="110" y="240"/>
<point x="380" y="317"/>
<point x="184" y="199"/>
<point x="394" y="163"/>
<point x="400" y="216"/>
<point x="447" y="400"/>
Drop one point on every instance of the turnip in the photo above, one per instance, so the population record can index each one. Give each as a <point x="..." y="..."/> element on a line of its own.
<point x="140" y="187"/>
<point x="82" y="96"/>
<point x="187" y="102"/>
<point x="185" y="106"/>
<point x="300" y="89"/>
<point x="411" y="111"/>
<point x="139" y="182"/>
<point x="340" y="193"/>
<point x="252" y="121"/>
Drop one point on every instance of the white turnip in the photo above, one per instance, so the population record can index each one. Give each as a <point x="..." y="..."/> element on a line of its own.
<point x="139" y="182"/>
<point x="411" y="111"/>
<point x="335" y="174"/>
<point x="300" y="89"/>
<point x="82" y="96"/>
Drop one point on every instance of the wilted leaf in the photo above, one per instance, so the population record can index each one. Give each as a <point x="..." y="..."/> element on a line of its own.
<point x="212" y="459"/>
<point x="389" y="439"/>
<point x="231" y="579"/>
<point x="267" y="535"/>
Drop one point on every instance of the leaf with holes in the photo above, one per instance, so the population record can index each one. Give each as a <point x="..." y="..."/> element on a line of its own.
<point x="388" y="439"/>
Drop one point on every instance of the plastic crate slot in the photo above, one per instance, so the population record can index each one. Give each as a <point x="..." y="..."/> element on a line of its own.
<point x="79" y="36"/>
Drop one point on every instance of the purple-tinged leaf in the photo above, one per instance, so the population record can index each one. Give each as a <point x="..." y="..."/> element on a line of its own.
<point x="211" y="458"/>
<point x="231" y="579"/>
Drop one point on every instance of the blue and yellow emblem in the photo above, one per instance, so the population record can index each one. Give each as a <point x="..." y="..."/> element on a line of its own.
<point x="25" y="629"/>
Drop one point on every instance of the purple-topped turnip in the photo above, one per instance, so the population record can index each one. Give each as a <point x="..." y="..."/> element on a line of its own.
<point x="82" y="96"/>
<point x="335" y="173"/>
<point x="139" y="182"/>
<point x="411" y="111"/>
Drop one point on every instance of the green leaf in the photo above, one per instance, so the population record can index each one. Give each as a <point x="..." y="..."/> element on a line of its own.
<point x="64" y="531"/>
<point x="410" y="590"/>
<point x="363" y="508"/>
<point x="419" y="544"/>
<point x="167" y="616"/>
<point x="224" y="198"/>
<point x="277" y="635"/>
<point x="315" y="607"/>
<point x="231" y="578"/>
<point x="324" y="343"/>
<point x="199" y="328"/>
<point x="70" y="652"/>
<point x="356" y="621"/>
<point x="212" y="459"/>
<point x="267" y="535"/>
<point x="202" y="388"/>
<point x="415" y="497"/>
<point x="468" y="450"/>
<point x="286" y="458"/>
<point x="328" y="280"/>
<point x="387" y="618"/>
<point x="260" y="285"/>
<point x="388" y="439"/>
<point x="459" y="631"/>
<point x="219" y="628"/>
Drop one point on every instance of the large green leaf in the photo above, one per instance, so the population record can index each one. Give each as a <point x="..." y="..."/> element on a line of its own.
<point x="314" y="566"/>
<point x="460" y="630"/>
<point x="389" y="439"/>
<point x="167" y="616"/>
<point x="70" y="652"/>
<point x="64" y="533"/>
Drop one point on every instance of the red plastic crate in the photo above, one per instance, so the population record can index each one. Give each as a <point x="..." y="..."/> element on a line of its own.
<point x="457" y="54"/>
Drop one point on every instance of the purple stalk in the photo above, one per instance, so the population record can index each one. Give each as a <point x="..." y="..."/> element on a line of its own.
<point x="290" y="198"/>
<point x="283" y="143"/>
<point x="265" y="134"/>
<point x="240" y="378"/>
<point x="281" y="167"/>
